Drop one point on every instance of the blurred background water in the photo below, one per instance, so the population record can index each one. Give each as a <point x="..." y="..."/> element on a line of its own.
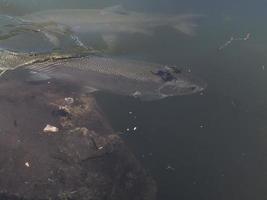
<point x="204" y="146"/>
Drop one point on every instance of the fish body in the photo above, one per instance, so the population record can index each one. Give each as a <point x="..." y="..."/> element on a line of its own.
<point x="10" y="60"/>
<point x="109" y="22"/>
<point x="119" y="76"/>
<point x="147" y="81"/>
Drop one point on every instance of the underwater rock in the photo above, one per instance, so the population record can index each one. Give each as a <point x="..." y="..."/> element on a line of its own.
<point x="84" y="160"/>
<point x="50" y="129"/>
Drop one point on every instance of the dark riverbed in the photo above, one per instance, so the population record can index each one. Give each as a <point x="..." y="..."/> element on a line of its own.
<point x="204" y="146"/>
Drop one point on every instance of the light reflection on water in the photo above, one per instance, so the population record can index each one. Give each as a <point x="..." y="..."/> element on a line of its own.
<point x="210" y="146"/>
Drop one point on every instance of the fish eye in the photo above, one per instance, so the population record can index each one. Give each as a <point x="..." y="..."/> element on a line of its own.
<point x="193" y="88"/>
<point x="176" y="70"/>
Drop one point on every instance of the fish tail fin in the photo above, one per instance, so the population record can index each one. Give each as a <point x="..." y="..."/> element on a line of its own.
<point x="52" y="38"/>
<point x="186" y="28"/>
<point x="186" y="23"/>
<point x="3" y="71"/>
<point x="110" y="41"/>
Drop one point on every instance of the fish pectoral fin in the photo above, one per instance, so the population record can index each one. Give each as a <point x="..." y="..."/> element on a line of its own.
<point x="52" y="38"/>
<point x="118" y="9"/>
<point x="110" y="40"/>
<point x="186" y="28"/>
<point x="89" y="89"/>
<point x="35" y="76"/>
<point x="186" y="23"/>
<point x="147" y="97"/>
<point x="142" y="30"/>
<point x="3" y="71"/>
<point x="151" y="97"/>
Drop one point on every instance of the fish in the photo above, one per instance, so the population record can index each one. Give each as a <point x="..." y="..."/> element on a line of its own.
<point x="97" y="72"/>
<point x="143" y="80"/>
<point x="109" y="22"/>
<point x="10" y="60"/>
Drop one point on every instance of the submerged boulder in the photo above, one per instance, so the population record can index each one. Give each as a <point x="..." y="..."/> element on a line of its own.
<point x="84" y="159"/>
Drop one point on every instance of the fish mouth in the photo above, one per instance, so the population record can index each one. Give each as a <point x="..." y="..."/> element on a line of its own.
<point x="178" y="88"/>
<point x="177" y="82"/>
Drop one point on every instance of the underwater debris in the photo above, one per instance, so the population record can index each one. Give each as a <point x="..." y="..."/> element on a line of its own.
<point x="170" y="168"/>
<point x="75" y="160"/>
<point x="227" y="43"/>
<point x="69" y="100"/>
<point x="50" y="129"/>
<point x="62" y="111"/>
<point x="27" y="164"/>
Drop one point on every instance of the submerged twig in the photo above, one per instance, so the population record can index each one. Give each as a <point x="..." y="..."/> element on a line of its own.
<point x="234" y="39"/>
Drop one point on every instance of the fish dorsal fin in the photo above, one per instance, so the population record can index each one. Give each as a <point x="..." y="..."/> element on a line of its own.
<point x="118" y="9"/>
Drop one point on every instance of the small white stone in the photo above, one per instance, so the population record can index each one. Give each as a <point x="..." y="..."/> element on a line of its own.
<point x="27" y="164"/>
<point x="135" y="128"/>
<point x="170" y="168"/>
<point x="52" y="129"/>
<point x="137" y="94"/>
<point x="69" y="100"/>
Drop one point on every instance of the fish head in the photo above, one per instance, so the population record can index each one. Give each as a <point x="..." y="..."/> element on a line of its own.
<point x="182" y="85"/>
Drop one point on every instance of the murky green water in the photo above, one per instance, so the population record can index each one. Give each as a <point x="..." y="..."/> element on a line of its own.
<point x="209" y="146"/>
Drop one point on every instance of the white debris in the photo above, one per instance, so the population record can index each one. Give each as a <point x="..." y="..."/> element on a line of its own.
<point x="201" y="126"/>
<point x="247" y="36"/>
<point x="50" y="180"/>
<point x="135" y="128"/>
<point x="232" y="39"/>
<point x="99" y="148"/>
<point x="69" y="100"/>
<point x="64" y="108"/>
<point x="130" y="112"/>
<point x="137" y="94"/>
<point x="170" y="168"/>
<point x="27" y="164"/>
<point x="127" y="129"/>
<point x="50" y="129"/>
